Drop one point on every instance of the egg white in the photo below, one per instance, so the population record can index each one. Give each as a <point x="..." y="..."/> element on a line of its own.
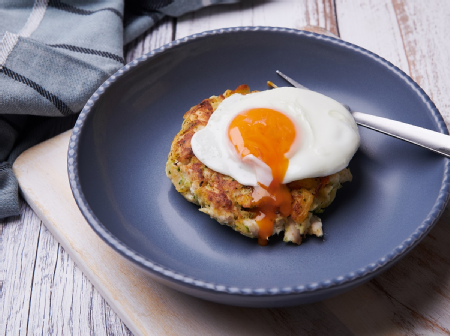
<point x="327" y="136"/>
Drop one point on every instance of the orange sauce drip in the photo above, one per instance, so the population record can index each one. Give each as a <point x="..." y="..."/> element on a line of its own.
<point x="268" y="135"/>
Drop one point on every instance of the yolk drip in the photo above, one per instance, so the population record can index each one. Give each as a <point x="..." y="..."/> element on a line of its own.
<point x="268" y="135"/>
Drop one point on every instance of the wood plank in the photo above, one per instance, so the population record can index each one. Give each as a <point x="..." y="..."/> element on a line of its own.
<point x="283" y="13"/>
<point x="410" y="34"/>
<point x="424" y="27"/>
<point x="21" y="236"/>
<point x="114" y="325"/>
<point x="39" y="312"/>
<point x="35" y="307"/>
<point x="157" y="36"/>
<point x="76" y="308"/>
<point x="372" y="24"/>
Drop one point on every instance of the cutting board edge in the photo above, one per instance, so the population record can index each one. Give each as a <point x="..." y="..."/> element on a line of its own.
<point x="37" y="208"/>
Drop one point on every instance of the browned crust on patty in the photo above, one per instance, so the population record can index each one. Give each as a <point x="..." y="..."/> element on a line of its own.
<point x="230" y="202"/>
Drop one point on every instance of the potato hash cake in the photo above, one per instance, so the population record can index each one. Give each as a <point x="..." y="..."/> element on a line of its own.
<point x="231" y="203"/>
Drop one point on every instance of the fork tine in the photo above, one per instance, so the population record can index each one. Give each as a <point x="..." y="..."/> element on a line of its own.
<point x="291" y="81"/>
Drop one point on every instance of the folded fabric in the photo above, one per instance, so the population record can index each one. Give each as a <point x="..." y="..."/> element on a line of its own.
<point x="53" y="56"/>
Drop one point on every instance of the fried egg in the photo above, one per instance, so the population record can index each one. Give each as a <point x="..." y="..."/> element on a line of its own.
<point x="270" y="138"/>
<point x="325" y="136"/>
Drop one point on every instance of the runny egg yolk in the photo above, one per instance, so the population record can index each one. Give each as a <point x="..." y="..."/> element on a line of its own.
<point x="268" y="135"/>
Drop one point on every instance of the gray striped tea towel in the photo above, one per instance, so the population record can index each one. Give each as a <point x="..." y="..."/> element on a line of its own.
<point x="53" y="56"/>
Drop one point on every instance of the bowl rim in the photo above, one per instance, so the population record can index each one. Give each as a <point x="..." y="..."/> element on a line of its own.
<point x="173" y="276"/>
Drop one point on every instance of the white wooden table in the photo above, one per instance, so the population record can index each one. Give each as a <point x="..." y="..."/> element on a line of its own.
<point x="43" y="291"/>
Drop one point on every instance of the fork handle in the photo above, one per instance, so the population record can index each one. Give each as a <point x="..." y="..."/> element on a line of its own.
<point x="435" y="141"/>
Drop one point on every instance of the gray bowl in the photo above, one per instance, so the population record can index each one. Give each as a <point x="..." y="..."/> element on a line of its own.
<point x="121" y="140"/>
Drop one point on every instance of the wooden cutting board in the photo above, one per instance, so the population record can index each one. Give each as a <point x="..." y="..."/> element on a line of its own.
<point x="410" y="296"/>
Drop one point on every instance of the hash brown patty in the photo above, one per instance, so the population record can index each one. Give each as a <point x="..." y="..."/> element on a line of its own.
<point x="229" y="202"/>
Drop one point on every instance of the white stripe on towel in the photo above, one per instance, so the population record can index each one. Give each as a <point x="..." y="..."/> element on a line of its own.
<point x="9" y="40"/>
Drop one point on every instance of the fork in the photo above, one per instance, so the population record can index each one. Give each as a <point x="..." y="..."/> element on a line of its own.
<point x="434" y="141"/>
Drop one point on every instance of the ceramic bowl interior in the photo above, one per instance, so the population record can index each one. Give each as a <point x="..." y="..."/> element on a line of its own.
<point x="122" y="139"/>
